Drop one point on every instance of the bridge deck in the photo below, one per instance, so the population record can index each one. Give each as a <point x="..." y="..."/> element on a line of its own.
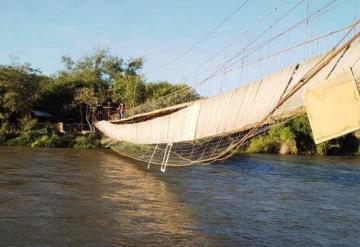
<point x="152" y="114"/>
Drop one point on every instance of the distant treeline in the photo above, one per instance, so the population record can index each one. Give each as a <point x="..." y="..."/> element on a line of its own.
<point x="77" y="89"/>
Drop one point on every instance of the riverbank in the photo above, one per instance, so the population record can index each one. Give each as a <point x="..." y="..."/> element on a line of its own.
<point x="29" y="136"/>
<point x="295" y="137"/>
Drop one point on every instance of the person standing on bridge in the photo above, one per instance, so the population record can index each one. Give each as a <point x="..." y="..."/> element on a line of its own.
<point x="121" y="110"/>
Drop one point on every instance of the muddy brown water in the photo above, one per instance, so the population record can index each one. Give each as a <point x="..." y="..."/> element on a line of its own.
<point x="69" y="197"/>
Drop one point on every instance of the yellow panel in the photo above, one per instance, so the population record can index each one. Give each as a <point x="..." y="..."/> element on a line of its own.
<point x="333" y="107"/>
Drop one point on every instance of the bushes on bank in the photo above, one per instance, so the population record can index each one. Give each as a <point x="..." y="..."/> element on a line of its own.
<point x="292" y="137"/>
<point x="2" y="140"/>
<point x="68" y="141"/>
<point x="303" y="134"/>
<point x="28" y="134"/>
<point x="46" y="137"/>
<point x="4" y="130"/>
<point x="344" y="145"/>
<point x="54" y="141"/>
<point x="87" y="141"/>
<point x="277" y="138"/>
<point x="3" y="134"/>
<point x="295" y="137"/>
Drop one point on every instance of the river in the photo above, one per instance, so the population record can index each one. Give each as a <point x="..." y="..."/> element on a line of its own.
<point x="69" y="197"/>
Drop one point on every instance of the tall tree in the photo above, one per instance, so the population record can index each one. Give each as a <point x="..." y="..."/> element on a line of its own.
<point x="155" y="90"/>
<point x="88" y="98"/>
<point x="19" y="88"/>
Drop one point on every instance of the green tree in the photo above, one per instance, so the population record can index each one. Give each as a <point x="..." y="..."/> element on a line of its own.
<point x="128" y="88"/>
<point x="94" y="71"/>
<point x="111" y="77"/>
<point x="19" y="88"/>
<point x="88" y="98"/>
<point x="128" y="84"/>
<point x="58" y="99"/>
<point x="102" y="75"/>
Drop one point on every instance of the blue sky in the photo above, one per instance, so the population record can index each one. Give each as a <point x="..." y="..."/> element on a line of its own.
<point x="40" y="31"/>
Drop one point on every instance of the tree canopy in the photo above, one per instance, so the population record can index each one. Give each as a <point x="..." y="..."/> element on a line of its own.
<point x="79" y="86"/>
<point x="19" y="87"/>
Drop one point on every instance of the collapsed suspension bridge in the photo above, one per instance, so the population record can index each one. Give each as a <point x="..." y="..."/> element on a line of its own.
<point x="201" y="131"/>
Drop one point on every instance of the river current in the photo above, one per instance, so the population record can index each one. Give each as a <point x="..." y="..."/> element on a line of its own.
<point x="70" y="197"/>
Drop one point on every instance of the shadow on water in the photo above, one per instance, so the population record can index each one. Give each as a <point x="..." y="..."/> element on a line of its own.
<point x="96" y="198"/>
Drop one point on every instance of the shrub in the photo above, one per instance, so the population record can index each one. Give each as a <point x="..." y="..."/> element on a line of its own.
<point x="349" y="144"/>
<point x="28" y="134"/>
<point x="47" y="130"/>
<point x="344" y="145"/>
<point x="262" y="144"/>
<point x="87" y="141"/>
<point x="55" y="141"/>
<point x="303" y="134"/>
<point x="28" y="125"/>
<point x="296" y="135"/>
<point x="47" y="141"/>
<point x="24" y="139"/>
<point x="66" y="141"/>
<point x="323" y="148"/>
<point x="3" y="139"/>
<point x="271" y="142"/>
<point x="3" y="134"/>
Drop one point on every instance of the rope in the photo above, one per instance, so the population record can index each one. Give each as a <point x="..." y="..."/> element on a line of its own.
<point x="230" y="143"/>
<point x="202" y="39"/>
<point x="219" y="147"/>
<point x="301" y="83"/>
<point x="223" y="68"/>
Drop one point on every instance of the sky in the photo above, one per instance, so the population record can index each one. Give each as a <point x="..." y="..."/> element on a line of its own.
<point x="42" y="31"/>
